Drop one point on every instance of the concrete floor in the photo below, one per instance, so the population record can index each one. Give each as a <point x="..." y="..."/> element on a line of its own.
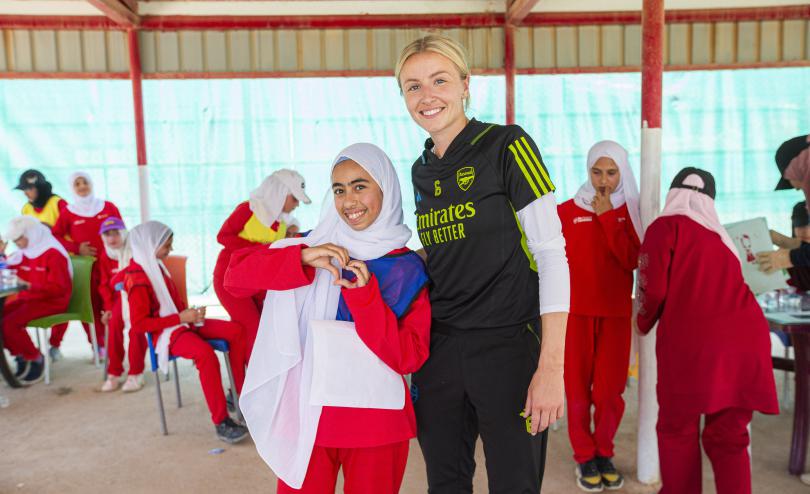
<point x="69" y="438"/>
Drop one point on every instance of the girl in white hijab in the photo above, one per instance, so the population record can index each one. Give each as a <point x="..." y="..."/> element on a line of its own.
<point x="155" y="307"/>
<point x="45" y="271"/>
<point x="77" y="229"/>
<point x="602" y="229"/>
<point x="324" y="385"/>
<point x="259" y="221"/>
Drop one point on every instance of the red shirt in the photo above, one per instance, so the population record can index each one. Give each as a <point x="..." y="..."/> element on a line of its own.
<point x="144" y="308"/>
<point x="602" y="253"/>
<point x="713" y="343"/>
<point x="402" y="344"/>
<point x="71" y="229"/>
<point x="49" y="277"/>
<point x="229" y="238"/>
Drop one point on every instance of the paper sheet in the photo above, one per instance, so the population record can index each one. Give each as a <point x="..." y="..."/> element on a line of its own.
<point x="752" y="236"/>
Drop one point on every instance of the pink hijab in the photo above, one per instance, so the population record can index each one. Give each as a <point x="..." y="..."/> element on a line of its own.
<point x="698" y="207"/>
<point x="799" y="169"/>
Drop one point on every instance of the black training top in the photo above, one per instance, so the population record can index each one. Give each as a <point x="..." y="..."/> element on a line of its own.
<point x="482" y="274"/>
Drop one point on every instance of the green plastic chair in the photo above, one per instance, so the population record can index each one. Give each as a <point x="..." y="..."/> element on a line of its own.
<point x="80" y="308"/>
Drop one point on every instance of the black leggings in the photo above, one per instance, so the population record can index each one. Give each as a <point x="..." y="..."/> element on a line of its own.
<point x="475" y="382"/>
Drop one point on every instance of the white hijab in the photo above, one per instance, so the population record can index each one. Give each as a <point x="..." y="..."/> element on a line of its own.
<point x="625" y="193"/>
<point x="275" y="399"/>
<point x="144" y="241"/>
<point x="267" y="200"/>
<point x="87" y="206"/>
<point x="699" y="207"/>
<point x="40" y="240"/>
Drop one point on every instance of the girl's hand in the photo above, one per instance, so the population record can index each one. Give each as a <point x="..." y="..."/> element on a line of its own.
<point x="189" y="316"/>
<point x="601" y="202"/>
<point x="85" y="249"/>
<point x="783" y="241"/>
<point x="360" y="270"/>
<point x="3" y="246"/>
<point x="105" y="317"/>
<point x="321" y="257"/>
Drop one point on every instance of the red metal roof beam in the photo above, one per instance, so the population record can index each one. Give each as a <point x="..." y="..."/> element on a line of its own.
<point x="118" y="11"/>
<point x="518" y="10"/>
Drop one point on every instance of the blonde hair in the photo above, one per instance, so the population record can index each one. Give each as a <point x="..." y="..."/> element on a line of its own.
<point x="436" y="43"/>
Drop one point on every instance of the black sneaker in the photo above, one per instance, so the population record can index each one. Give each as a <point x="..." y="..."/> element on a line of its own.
<point x="35" y="373"/>
<point x="611" y="478"/>
<point x="22" y="366"/>
<point x="588" y="477"/>
<point x="231" y="432"/>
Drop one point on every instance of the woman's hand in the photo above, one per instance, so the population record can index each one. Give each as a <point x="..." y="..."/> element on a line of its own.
<point x="601" y="202"/>
<point x="770" y="262"/>
<point x="360" y="270"/>
<point x="190" y="316"/>
<point x="783" y="241"/>
<point x="85" y="249"/>
<point x="545" y="401"/>
<point x="321" y="257"/>
<point x="3" y="246"/>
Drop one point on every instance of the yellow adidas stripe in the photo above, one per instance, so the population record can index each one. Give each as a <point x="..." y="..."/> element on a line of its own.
<point x="532" y="167"/>
<point x="525" y="172"/>
<point x="539" y="164"/>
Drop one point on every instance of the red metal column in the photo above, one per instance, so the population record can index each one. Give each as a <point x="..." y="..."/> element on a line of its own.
<point x="652" y="62"/>
<point x="140" y="129"/>
<point x="509" y="71"/>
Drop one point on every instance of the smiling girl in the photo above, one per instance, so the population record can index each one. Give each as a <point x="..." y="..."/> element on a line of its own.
<point x="359" y="420"/>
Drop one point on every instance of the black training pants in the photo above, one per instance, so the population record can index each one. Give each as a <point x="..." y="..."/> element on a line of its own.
<point x="475" y="382"/>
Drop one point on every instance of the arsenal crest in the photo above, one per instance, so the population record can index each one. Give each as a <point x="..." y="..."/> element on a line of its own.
<point x="465" y="177"/>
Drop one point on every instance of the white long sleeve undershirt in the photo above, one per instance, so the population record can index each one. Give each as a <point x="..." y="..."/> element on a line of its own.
<point x="545" y="240"/>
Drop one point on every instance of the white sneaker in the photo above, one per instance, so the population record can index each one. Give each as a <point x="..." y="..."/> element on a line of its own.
<point x="133" y="384"/>
<point x="111" y="384"/>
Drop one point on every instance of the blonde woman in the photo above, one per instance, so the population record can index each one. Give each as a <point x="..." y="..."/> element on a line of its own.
<point x="487" y="219"/>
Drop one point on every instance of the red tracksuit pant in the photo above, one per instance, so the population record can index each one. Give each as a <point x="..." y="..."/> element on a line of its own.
<point x="115" y="348"/>
<point x="16" y="314"/>
<point x="244" y="311"/>
<point x="377" y="470"/>
<point x="191" y="344"/>
<point x="597" y="355"/>
<point x="725" y="439"/>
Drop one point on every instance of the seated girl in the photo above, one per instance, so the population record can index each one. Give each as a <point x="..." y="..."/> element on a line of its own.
<point x="155" y="307"/>
<point x="44" y="269"/>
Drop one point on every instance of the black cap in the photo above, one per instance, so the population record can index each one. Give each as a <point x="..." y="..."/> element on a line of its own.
<point x="708" y="181"/>
<point x="800" y="216"/>
<point x="785" y="154"/>
<point x="30" y="178"/>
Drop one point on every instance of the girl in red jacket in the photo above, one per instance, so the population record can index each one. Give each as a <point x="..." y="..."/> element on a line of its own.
<point x="324" y="386"/>
<point x="112" y="260"/>
<point x="713" y="345"/>
<point x="260" y="221"/>
<point x="44" y="269"/>
<point x="602" y="228"/>
<point x="77" y="229"/>
<point x="155" y="307"/>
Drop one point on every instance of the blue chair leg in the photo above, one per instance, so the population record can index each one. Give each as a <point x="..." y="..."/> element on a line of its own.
<point x="177" y="384"/>
<point x="234" y="394"/>
<point x="160" y="404"/>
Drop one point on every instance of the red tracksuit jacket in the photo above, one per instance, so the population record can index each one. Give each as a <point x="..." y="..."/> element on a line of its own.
<point x="49" y="277"/>
<point x="402" y="344"/>
<point x="71" y="229"/>
<point x="110" y="275"/>
<point x="602" y="254"/>
<point x="230" y="240"/>
<point x="144" y="308"/>
<point x="713" y="344"/>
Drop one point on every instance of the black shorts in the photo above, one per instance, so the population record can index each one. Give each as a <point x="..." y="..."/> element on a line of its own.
<point x="475" y="382"/>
